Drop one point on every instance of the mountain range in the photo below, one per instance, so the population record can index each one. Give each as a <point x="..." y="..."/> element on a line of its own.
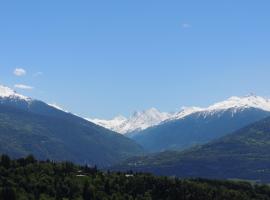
<point x="157" y="131"/>
<point x="141" y="120"/>
<point x="229" y="139"/>
<point x="244" y="154"/>
<point x="29" y="126"/>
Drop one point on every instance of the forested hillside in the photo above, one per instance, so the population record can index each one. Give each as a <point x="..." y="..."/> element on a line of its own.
<point x="27" y="179"/>
<point x="36" y="128"/>
<point x="244" y="154"/>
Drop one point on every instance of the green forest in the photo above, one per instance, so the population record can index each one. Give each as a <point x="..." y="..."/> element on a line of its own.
<point x="27" y="179"/>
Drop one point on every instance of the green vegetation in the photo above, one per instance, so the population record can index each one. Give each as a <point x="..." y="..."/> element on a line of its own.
<point x="48" y="133"/>
<point x="27" y="179"/>
<point x="245" y="154"/>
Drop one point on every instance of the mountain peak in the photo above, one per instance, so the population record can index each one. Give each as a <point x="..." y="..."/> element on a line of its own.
<point x="249" y="101"/>
<point x="152" y="112"/>
<point x="120" y="118"/>
<point x="140" y="120"/>
<point x="6" y="92"/>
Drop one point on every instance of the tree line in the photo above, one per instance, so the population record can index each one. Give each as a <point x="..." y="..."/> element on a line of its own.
<point x="29" y="179"/>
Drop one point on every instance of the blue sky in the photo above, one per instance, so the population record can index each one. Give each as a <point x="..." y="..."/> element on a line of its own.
<point x="103" y="58"/>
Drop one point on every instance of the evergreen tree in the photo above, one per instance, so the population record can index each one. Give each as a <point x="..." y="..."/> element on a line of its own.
<point x="5" y="161"/>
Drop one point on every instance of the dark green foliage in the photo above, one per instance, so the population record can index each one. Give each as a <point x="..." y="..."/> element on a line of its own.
<point x="7" y="193"/>
<point x="245" y="154"/>
<point x="25" y="180"/>
<point x="5" y="161"/>
<point x="48" y="133"/>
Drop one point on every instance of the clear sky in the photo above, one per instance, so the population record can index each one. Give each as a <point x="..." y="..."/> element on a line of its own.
<point x="101" y="58"/>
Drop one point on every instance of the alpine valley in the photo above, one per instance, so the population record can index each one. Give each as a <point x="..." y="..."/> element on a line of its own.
<point x="227" y="140"/>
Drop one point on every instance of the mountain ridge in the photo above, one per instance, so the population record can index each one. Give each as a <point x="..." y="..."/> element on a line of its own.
<point x="29" y="126"/>
<point x="153" y="117"/>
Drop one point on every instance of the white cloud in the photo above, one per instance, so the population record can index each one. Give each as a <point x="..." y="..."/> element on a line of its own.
<point x="23" y="87"/>
<point x="186" y="25"/>
<point x="19" y="72"/>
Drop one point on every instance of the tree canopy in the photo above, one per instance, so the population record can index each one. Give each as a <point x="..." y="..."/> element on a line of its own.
<point x="27" y="178"/>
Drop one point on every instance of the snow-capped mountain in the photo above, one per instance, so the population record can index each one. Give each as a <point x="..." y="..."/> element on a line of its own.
<point x="204" y="124"/>
<point x="185" y="112"/>
<point x="240" y="103"/>
<point x="142" y="120"/>
<point x="137" y="122"/>
<point x="7" y="93"/>
<point x="113" y="124"/>
<point x="234" y="104"/>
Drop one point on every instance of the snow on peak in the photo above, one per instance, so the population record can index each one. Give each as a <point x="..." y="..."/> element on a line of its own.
<point x="113" y="124"/>
<point x="120" y="118"/>
<point x="187" y="111"/>
<point x="152" y="117"/>
<point x="141" y="120"/>
<point x="240" y="103"/>
<point x="145" y="119"/>
<point x="6" y="92"/>
<point x="151" y="114"/>
<point x="138" y="121"/>
<point x="56" y="106"/>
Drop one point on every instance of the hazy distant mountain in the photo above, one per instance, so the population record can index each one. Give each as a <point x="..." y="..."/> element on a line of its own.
<point x="137" y="122"/>
<point x="140" y="121"/>
<point x="204" y="125"/>
<point x="245" y="154"/>
<point x="29" y="126"/>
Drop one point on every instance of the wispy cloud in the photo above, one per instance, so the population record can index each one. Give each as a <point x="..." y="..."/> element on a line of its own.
<point x="19" y="72"/>
<point x="38" y="74"/>
<point x="186" y="25"/>
<point x="23" y="87"/>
